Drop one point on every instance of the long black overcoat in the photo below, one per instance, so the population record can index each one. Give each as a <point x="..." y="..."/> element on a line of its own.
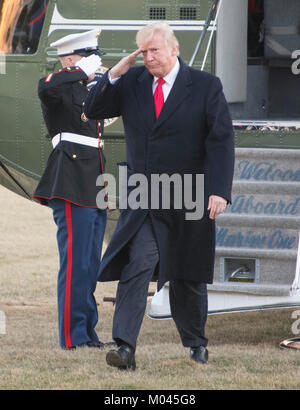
<point x="193" y="135"/>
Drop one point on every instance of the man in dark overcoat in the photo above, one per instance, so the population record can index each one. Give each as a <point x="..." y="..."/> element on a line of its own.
<point x="176" y="121"/>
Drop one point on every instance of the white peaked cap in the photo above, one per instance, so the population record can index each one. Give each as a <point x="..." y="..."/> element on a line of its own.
<point x="77" y="42"/>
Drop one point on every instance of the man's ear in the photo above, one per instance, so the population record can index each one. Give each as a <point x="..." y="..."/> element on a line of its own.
<point x="175" y="51"/>
<point x="75" y="58"/>
<point x="70" y="61"/>
<point x="66" y="61"/>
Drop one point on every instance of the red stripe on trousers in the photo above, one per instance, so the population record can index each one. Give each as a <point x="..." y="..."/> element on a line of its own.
<point x="67" y="313"/>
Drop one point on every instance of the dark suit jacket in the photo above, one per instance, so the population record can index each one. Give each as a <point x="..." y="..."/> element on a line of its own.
<point x="193" y="135"/>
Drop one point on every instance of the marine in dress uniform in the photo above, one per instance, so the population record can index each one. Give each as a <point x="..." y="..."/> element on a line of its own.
<point x="68" y="186"/>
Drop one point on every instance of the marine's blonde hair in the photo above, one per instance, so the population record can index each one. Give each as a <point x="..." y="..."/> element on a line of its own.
<point x="146" y="33"/>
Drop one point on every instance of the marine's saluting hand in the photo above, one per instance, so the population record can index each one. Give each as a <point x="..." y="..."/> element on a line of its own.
<point x="124" y="64"/>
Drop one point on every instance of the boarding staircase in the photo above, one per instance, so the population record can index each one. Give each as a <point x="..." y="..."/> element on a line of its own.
<point x="257" y="238"/>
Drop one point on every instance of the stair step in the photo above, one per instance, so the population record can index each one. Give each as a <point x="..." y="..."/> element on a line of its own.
<point x="267" y="289"/>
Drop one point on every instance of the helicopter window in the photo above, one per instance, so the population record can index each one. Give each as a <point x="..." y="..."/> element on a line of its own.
<point x="255" y="28"/>
<point x="21" y="23"/>
<point x="157" y="13"/>
<point x="282" y="30"/>
<point x="188" y="13"/>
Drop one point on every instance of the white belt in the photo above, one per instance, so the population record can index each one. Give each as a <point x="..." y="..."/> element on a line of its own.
<point x="77" y="138"/>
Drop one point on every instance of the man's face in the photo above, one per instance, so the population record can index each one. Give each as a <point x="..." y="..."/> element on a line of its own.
<point x="159" y="58"/>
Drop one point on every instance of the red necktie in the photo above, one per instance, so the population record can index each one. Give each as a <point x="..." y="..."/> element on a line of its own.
<point x="159" y="96"/>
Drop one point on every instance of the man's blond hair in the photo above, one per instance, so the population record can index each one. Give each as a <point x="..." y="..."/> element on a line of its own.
<point x="146" y="33"/>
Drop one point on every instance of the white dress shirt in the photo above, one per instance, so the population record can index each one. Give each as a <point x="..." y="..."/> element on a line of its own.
<point x="169" y="80"/>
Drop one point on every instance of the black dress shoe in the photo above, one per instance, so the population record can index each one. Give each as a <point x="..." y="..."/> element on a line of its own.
<point x="123" y="358"/>
<point x="199" y="354"/>
<point x="111" y="344"/>
<point x="97" y="345"/>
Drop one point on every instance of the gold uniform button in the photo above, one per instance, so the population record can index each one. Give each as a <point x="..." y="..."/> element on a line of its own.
<point x="74" y="156"/>
<point x="84" y="117"/>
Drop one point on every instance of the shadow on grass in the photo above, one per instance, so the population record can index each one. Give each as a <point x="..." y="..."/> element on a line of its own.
<point x="267" y="327"/>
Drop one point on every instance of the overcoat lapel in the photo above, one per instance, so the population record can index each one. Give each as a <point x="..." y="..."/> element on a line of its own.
<point x="145" y="99"/>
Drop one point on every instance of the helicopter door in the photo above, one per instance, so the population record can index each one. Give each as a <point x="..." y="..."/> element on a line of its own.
<point x="231" y="51"/>
<point x="255" y="43"/>
<point x="282" y="38"/>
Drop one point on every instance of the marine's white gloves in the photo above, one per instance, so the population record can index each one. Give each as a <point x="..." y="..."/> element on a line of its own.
<point x="90" y="64"/>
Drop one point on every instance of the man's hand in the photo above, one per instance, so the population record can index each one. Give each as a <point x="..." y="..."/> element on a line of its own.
<point x="216" y="205"/>
<point x="123" y="65"/>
